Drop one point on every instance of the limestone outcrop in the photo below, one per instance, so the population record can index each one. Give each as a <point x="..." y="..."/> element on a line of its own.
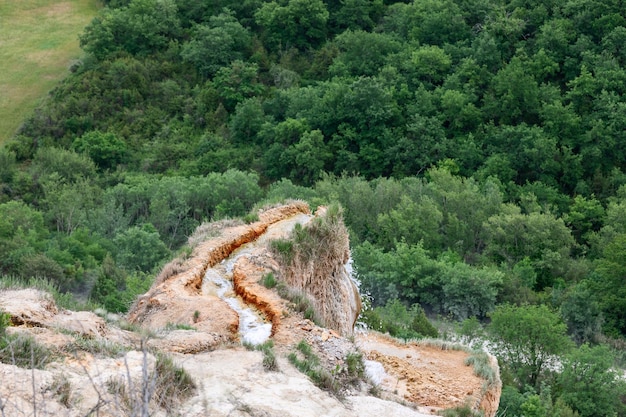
<point x="194" y="314"/>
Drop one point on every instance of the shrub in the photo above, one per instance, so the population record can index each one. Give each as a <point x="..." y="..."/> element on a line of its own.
<point x="310" y="366"/>
<point x="97" y="347"/>
<point x="251" y="218"/>
<point x="394" y="318"/>
<point x="24" y="351"/>
<point x="284" y="248"/>
<point x="355" y="366"/>
<point x="62" y="390"/>
<point x="269" y="357"/>
<point x="173" y="383"/>
<point x="178" y="326"/>
<point x="482" y="367"/>
<point x="301" y="302"/>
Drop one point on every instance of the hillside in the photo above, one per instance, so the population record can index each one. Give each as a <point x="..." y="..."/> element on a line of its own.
<point x="39" y="45"/>
<point x="97" y="366"/>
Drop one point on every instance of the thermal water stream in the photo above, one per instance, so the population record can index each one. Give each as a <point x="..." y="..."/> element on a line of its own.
<point x="218" y="280"/>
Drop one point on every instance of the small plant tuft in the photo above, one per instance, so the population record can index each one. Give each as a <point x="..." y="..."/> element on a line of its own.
<point x="5" y="321"/>
<point x="24" y="351"/>
<point x="98" y="347"/>
<point x="269" y="280"/>
<point x="461" y="411"/>
<point x="482" y="367"/>
<point x="178" y="326"/>
<point x="355" y="365"/>
<point x="301" y="302"/>
<point x="284" y="249"/>
<point x="62" y="390"/>
<point x="310" y="366"/>
<point x="270" y="363"/>
<point x="251" y="218"/>
<point x="173" y="383"/>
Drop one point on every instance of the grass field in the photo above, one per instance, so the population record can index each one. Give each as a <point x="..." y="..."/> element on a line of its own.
<point x="38" y="42"/>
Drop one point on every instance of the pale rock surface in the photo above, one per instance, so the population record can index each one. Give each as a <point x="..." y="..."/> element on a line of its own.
<point x="233" y="382"/>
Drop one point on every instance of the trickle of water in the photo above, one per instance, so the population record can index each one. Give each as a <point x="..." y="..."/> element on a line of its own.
<point x="252" y="328"/>
<point x="374" y="371"/>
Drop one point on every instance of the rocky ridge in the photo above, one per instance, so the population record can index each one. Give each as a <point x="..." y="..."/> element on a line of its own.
<point x="183" y="317"/>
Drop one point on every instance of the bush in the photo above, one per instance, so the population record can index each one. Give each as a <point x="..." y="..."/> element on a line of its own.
<point x="482" y="367"/>
<point x="173" y="383"/>
<point x="24" y="351"/>
<point x="394" y="318"/>
<point x="62" y="390"/>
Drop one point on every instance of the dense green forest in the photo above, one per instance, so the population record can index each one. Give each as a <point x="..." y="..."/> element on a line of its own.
<point x="477" y="147"/>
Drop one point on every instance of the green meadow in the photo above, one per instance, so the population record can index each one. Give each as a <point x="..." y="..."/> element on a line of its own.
<point x="38" y="43"/>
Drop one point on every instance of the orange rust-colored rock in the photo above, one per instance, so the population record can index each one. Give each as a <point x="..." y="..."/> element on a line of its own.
<point x="246" y="277"/>
<point x="178" y="298"/>
<point x="432" y="377"/>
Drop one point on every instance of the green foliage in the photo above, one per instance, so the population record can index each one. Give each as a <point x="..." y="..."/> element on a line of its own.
<point x="69" y="166"/>
<point x="300" y="302"/>
<point x="476" y="148"/>
<point x="284" y="248"/>
<point x="140" y="248"/>
<point x="105" y="149"/>
<point x="173" y="384"/>
<point x="541" y="238"/>
<point x="142" y="27"/>
<point x="528" y="339"/>
<point x="179" y="326"/>
<point x="471" y="330"/>
<point x="7" y="167"/>
<point x="5" y="321"/>
<point x="581" y="312"/>
<point x="483" y="368"/>
<point x="98" y="347"/>
<point x="355" y="366"/>
<point x="590" y="385"/>
<point x="116" y="290"/>
<point x="237" y="82"/>
<point x="408" y="273"/>
<point x="460" y="411"/>
<point x="295" y="23"/>
<point x="608" y="284"/>
<point x="269" y="280"/>
<point x="216" y="44"/>
<point x="270" y="363"/>
<point x="394" y="318"/>
<point x="309" y="364"/>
